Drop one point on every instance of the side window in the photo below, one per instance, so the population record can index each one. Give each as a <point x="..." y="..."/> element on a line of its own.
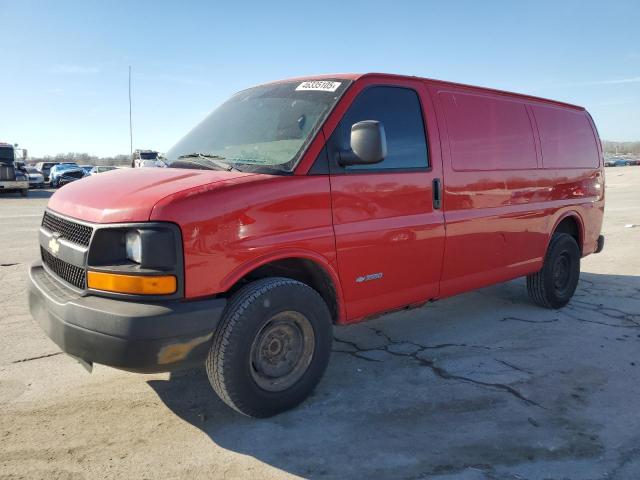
<point x="398" y="109"/>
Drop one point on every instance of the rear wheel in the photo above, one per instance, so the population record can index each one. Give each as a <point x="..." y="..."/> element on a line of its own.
<point x="555" y="284"/>
<point x="271" y="347"/>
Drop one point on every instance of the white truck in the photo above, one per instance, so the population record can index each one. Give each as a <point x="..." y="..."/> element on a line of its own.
<point x="12" y="178"/>
<point x="147" y="159"/>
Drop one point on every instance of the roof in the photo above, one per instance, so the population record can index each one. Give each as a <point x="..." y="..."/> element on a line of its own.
<point x="357" y="76"/>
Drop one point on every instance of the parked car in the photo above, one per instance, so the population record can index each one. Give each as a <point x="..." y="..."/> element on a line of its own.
<point x="64" y="173"/>
<point x="301" y="204"/>
<point x="86" y="168"/>
<point x="619" y="162"/>
<point x="101" y="169"/>
<point x="36" y="179"/>
<point x="44" y="168"/>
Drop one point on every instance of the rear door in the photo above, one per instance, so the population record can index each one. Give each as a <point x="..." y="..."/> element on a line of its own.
<point x="389" y="236"/>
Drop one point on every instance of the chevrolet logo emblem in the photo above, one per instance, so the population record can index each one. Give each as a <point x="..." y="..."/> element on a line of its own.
<point x="54" y="246"/>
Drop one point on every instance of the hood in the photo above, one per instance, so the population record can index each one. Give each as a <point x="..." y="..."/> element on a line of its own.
<point x="129" y="194"/>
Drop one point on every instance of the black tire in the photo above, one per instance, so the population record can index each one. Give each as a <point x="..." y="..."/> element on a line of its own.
<point x="24" y="192"/>
<point x="231" y="365"/>
<point x="554" y="285"/>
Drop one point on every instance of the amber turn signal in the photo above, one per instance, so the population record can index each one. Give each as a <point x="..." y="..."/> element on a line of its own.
<point x="133" y="284"/>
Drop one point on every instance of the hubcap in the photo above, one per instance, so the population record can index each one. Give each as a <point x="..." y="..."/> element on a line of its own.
<point x="282" y="351"/>
<point x="562" y="272"/>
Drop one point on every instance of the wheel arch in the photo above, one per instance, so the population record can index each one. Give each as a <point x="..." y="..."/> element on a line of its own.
<point x="571" y="223"/>
<point x="307" y="267"/>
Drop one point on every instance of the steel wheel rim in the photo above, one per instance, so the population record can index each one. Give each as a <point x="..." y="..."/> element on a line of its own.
<point x="562" y="272"/>
<point x="282" y="351"/>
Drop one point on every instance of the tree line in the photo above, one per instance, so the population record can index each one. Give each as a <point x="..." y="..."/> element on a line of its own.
<point x="621" y="148"/>
<point x="84" y="159"/>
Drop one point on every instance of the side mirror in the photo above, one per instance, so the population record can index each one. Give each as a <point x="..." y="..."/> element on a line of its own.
<point x="368" y="144"/>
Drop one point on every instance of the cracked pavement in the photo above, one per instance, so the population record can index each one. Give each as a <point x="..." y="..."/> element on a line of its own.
<point x="404" y="348"/>
<point x="480" y="386"/>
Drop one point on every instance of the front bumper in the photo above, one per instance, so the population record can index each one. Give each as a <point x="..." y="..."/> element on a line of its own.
<point x="135" y="336"/>
<point x="66" y="180"/>
<point x="13" y="185"/>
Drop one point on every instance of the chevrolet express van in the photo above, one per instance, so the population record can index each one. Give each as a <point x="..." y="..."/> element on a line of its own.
<point x="309" y="202"/>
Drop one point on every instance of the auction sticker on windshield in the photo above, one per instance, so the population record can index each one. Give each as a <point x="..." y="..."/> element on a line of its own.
<point x="319" y="85"/>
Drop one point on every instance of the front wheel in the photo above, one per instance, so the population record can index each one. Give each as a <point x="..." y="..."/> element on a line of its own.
<point x="554" y="285"/>
<point x="271" y="347"/>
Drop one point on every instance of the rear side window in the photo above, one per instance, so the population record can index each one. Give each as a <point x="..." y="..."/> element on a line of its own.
<point x="488" y="133"/>
<point x="398" y="109"/>
<point x="567" y="138"/>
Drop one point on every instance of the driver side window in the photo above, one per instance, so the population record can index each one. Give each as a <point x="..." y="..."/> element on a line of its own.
<point x="398" y="109"/>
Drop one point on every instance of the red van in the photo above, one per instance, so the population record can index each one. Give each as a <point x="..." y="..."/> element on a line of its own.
<point x="307" y="202"/>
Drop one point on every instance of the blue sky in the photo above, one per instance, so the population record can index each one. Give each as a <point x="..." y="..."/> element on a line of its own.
<point x="64" y="86"/>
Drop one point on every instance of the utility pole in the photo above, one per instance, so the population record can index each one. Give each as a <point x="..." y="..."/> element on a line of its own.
<point x="130" y="123"/>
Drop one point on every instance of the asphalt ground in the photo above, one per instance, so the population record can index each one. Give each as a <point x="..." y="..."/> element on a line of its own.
<point x="481" y="386"/>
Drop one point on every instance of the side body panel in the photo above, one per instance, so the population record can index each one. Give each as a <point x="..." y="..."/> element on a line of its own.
<point x="571" y="149"/>
<point x="229" y="232"/>
<point x="501" y="202"/>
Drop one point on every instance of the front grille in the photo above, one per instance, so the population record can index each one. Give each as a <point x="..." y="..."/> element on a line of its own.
<point x="72" y="231"/>
<point x="74" y="174"/>
<point x="7" y="172"/>
<point x="69" y="273"/>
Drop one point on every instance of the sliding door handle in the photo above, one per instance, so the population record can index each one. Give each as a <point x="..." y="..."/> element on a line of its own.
<point x="437" y="194"/>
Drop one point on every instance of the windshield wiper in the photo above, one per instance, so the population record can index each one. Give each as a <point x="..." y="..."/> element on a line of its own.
<point x="208" y="160"/>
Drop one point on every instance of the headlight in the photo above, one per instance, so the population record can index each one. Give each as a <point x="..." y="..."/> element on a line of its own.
<point x="138" y="259"/>
<point x="133" y="246"/>
<point x="152" y="247"/>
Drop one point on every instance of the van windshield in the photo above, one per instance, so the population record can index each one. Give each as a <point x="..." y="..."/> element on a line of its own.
<point x="262" y="128"/>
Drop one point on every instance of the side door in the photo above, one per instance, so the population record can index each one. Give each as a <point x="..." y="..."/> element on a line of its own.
<point x="496" y="197"/>
<point x="389" y="229"/>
